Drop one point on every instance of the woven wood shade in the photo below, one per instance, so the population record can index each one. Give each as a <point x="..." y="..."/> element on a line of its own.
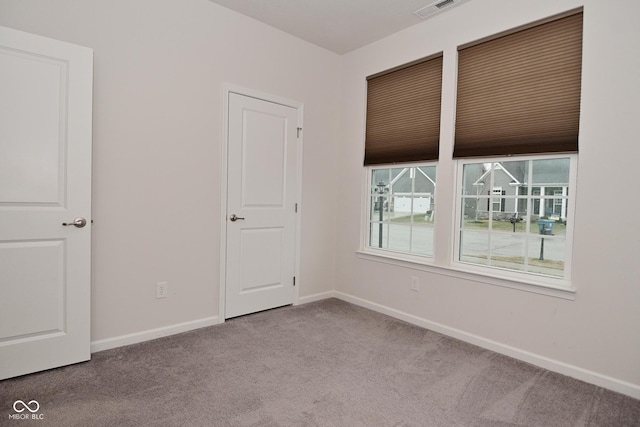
<point x="520" y="93"/>
<point x="403" y="114"/>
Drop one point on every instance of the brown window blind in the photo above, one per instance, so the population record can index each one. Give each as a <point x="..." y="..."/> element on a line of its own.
<point x="403" y="113"/>
<point x="520" y="93"/>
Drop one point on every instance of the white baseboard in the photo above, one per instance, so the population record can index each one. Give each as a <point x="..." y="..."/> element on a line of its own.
<point x="152" y="334"/>
<point x="109" y="343"/>
<point x="316" y="297"/>
<point x="629" y="389"/>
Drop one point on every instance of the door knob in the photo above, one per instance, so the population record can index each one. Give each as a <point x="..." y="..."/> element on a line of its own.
<point x="78" y="222"/>
<point x="234" y="218"/>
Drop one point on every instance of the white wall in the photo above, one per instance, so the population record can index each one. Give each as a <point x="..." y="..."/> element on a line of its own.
<point x="159" y="70"/>
<point x="596" y="336"/>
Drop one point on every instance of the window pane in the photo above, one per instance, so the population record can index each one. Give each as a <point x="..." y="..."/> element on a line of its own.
<point x="402" y="203"/>
<point x="471" y="212"/>
<point x="378" y="235"/>
<point x="380" y="208"/>
<point x="422" y="233"/>
<point x="422" y="240"/>
<point x="508" y="251"/>
<point x="509" y="242"/>
<point x="474" y="246"/>
<point x="551" y="171"/>
<point x="474" y="180"/>
<point x="514" y="215"/>
<point x="400" y="237"/>
<point x="549" y="247"/>
<point x="379" y="176"/>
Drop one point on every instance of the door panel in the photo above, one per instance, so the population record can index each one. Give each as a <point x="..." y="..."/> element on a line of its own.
<point x="262" y="182"/>
<point x="42" y="288"/>
<point x="30" y="155"/>
<point x="264" y="150"/>
<point x="45" y="181"/>
<point x="256" y="276"/>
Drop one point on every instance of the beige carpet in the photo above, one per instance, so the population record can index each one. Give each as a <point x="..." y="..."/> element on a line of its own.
<point x="328" y="363"/>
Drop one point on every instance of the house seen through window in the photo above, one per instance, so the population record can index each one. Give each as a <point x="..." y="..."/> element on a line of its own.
<point x="521" y="223"/>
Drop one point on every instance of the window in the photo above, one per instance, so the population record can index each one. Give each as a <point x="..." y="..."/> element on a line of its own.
<point x="403" y="129"/>
<point x="497" y="203"/>
<point x="528" y="234"/>
<point x="518" y="95"/>
<point x="402" y="202"/>
<point x="517" y="118"/>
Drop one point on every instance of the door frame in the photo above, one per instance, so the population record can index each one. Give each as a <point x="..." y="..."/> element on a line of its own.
<point x="228" y="89"/>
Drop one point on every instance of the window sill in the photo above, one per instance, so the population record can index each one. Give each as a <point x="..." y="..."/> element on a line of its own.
<point x="461" y="271"/>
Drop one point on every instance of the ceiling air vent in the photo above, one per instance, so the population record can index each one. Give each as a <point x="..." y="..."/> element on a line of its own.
<point x="444" y="3"/>
<point x="436" y="7"/>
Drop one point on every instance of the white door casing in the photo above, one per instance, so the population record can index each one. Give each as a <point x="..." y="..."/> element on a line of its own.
<point x="262" y="191"/>
<point x="45" y="181"/>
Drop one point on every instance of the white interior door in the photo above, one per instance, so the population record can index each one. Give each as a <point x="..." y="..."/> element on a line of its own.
<point x="261" y="194"/>
<point x="45" y="181"/>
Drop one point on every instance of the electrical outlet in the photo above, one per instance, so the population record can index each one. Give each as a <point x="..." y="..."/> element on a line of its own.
<point x="415" y="283"/>
<point x="162" y="290"/>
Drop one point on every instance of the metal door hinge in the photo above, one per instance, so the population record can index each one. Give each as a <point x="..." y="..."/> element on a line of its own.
<point x="299" y="129"/>
<point x="296" y="208"/>
<point x="294" y="280"/>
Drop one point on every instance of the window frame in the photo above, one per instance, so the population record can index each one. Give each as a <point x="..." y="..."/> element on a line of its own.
<point x="444" y="250"/>
<point x="365" y="246"/>
<point x="562" y="283"/>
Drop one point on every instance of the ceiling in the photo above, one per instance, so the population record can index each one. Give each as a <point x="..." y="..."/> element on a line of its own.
<point x="337" y="25"/>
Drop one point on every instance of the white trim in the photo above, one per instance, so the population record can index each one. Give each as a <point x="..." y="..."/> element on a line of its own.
<point x="468" y="272"/>
<point x="394" y="180"/>
<point x="494" y="166"/>
<point x="620" y="386"/>
<point x="223" y="202"/>
<point x="315" y="297"/>
<point x="300" y="142"/>
<point x="427" y="176"/>
<point x="227" y="89"/>
<point x="151" y="334"/>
